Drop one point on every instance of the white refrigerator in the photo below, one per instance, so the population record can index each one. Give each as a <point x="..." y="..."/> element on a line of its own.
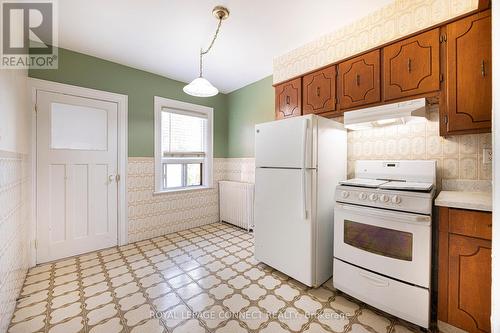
<point x="299" y="162"/>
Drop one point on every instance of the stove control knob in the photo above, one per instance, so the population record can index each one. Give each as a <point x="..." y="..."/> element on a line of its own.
<point x="384" y="198"/>
<point x="373" y="197"/>
<point x="345" y="194"/>
<point x="396" y="199"/>
<point x="362" y="196"/>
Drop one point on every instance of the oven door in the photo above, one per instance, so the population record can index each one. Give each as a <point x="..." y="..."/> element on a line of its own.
<point x="391" y="243"/>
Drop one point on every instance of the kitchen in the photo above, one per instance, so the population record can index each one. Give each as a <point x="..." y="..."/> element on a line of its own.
<point x="346" y="188"/>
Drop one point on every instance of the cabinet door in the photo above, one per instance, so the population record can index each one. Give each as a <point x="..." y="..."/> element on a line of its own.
<point x="468" y="60"/>
<point x="411" y="66"/>
<point x="318" y="90"/>
<point x="469" y="285"/>
<point x="359" y="80"/>
<point x="288" y="99"/>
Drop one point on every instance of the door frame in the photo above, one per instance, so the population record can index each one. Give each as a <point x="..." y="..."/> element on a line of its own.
<point x="35" y="85"/>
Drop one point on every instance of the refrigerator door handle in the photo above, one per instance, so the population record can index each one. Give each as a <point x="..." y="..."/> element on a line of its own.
<point x="304" y="143"/>
<point x="304" y="195"/>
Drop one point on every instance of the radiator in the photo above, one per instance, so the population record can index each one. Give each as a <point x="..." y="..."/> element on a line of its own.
<point x="236" y="203"/>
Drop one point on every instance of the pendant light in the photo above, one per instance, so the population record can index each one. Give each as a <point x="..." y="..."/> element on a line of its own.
<point x="201" y="87"/>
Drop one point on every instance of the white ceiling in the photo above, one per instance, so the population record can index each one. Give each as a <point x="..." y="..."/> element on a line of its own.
<point x="164" y="36"/>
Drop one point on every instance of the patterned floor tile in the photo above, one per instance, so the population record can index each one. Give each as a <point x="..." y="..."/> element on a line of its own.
<point x="199" y="280"/>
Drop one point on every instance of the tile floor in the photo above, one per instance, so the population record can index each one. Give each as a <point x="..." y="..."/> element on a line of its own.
<point x="199" y="280"/>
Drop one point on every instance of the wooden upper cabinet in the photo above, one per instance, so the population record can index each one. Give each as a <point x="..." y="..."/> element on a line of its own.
<point x="468" y="75"/>
<point x="411" y="66"/>
<point x="318" y="91"/>
<point x="288" y="99"/>
<point x="359" y="80"/>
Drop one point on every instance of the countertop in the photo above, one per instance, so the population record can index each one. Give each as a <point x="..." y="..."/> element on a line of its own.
<point x="465" y="200"/>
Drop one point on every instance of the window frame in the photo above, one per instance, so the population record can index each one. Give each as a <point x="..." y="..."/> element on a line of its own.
<point x="161" y="103"/>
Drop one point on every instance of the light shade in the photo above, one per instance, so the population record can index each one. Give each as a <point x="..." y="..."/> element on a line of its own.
<point x="200" y="87"/>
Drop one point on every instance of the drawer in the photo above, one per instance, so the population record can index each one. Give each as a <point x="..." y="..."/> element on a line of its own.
<point x="470" y="223"/>
<point x="397" y="298"/>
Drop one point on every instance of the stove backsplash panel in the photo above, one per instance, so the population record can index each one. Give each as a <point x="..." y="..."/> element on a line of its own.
<point x="459" y="158"/>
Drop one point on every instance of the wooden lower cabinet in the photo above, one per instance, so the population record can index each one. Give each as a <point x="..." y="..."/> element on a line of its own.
<point x="464" y="294"/>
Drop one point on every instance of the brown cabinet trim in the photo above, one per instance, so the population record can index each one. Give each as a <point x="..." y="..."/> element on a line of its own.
<point x="438" y="25"/>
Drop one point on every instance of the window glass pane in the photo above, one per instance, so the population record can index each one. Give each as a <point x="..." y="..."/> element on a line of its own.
<point x="78" y="127"/>
<point x="385" y="242"/>
<point x="182" y="133"/>
<point x="173" y="175"/>
<point x="193" y="174"/>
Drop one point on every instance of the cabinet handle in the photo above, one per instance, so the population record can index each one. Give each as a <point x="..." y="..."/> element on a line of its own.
<point x="483" y="71"/>
<point x="287" y="99"/>
<point x="358" y="79"/>
<point x="317" y="91"/>
<point x="409" y="65"/>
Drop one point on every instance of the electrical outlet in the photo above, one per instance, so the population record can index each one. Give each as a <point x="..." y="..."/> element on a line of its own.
<point x="487" y="156"/>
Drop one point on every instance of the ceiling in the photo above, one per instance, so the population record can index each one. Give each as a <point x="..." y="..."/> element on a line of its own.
<point x="164" y="36"/>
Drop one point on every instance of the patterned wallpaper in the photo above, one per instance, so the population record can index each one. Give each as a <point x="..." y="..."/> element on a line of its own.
<point x="14" y="223"/>
<point x="458" y="157"/>
<point x="154" y="215"/>
<point x="401" y="18"/>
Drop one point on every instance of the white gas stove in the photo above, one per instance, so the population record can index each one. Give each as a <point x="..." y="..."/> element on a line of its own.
<point x="382" y="238"/>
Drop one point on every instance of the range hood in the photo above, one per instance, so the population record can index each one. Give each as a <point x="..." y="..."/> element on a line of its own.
<point x="385" y="115"/>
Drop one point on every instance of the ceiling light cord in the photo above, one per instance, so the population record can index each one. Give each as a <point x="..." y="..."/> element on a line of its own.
<point x="202" y="53"/>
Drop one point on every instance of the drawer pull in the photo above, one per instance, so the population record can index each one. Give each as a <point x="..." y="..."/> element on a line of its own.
<point x="358" y="80"/>
<point x="375" y="281"/>
<point x="287" y="99"/>
<point x="317" y="91"/>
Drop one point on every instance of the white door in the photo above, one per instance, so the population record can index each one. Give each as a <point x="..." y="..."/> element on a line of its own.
<point x="77" y="192"/>
<point x="284" y="143"/>
<point x="283" y="224"/>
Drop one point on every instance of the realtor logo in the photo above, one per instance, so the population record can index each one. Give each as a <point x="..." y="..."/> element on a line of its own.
<point x="29" y="35"/>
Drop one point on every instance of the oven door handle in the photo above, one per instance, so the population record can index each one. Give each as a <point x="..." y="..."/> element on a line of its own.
<point x="396" y="216"/>
<point x="374" y="280"/>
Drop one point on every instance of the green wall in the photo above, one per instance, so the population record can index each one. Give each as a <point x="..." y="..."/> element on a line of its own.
<point x="248" y="106"/>
<point x="141" y="87"/>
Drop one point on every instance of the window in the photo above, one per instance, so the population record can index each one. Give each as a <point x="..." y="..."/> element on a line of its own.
<point x="183" y="145"/>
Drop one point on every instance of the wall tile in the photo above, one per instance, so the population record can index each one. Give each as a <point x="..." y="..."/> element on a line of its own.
<point x="458" y="157"/>
<point x="468" y="167"/>
<point x="450" y="168"/>
<point x="389" y="23"/>
<point x="15" y="204"/>
<point x="154" y="215"/>
<point x="468" y="144"/>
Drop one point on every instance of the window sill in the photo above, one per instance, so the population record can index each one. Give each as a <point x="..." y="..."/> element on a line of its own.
<point x="181" y="190"/>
